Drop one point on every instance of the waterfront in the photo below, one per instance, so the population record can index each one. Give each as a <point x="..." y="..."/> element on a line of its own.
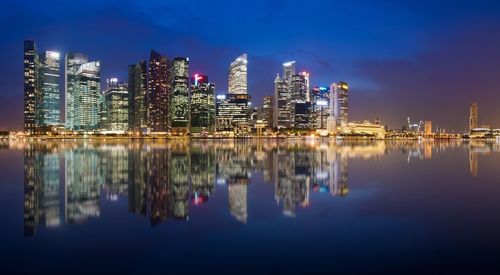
<point x="249" y="206"/>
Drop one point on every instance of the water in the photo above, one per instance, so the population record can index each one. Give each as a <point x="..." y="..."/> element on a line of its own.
<point x="261" y="206"/>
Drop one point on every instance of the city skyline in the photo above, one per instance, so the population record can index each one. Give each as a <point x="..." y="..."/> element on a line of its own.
<point x="375" y="76"/>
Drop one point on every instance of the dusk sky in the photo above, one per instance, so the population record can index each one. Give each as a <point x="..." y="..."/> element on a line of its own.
<point x="423" y="59"/>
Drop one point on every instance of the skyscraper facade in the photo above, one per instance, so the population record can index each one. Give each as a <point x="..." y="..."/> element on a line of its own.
<point x="72" y="63"/>
<point x="341" y="107"/>
<point x="138" y="96"/>
<point x="159" y="88"/>
<point x="281" y="113"/>
<point x="32" y="85"/>
<point x="179" y="99"/>
<point x="202" y="104"/>
<point x="267" y="111"/>
<point x="87" y="97"/>
<point x="473" y="116"/>
<point x="238" y="83"/>
<point x="50" y="114"/>
<point x="117" y="108"/>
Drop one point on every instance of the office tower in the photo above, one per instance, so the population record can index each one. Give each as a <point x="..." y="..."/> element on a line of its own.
<point x="238" y="76"/>
<point x="32" y="85"/>
<point x="302" y="115"/>
<point x="281" y="119"/>
<point x="159" y="91"/>
<point x="428" y="127"/>
<point x="473" y="116"/>
<point x="331" y="123"/>
<point x="179" y="99"/>
<point x="341" y="109"/>
<point x="86" y="96"/>
<point x="267" y="111"/>
<point x="117" y="108"/>
<point x="72" y="63"/>
<point x="202" y="104"/>
<point x="50" y="89"/>
<point x="298" y="95"/>
<point x="320" y="107"/>
<point x="288" y="70"/>
<point x="232" y="112"/>
<point x="138" y="96"/>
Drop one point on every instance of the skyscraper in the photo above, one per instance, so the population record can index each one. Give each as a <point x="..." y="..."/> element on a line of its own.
<point x="341" y="108"/>
<point x="72" y="63"/>
<point x="87" y="97"/>
<point x="159" y="91"/>
<point x="267" y="110"/>
<point x="281" y="113"/>
<point x="202" y="104"/>
<point x="138" y="96"/>
<point x="32" y="85"/>
<point x="473" y="116"/>
<point x="179" y="99"/>
<point x="50" y="89"/>
<point x="238" y="76"/>
<point x="117" y="99"/>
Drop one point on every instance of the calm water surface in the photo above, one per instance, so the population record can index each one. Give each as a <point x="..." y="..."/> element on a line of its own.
<point x="259" y="206"/>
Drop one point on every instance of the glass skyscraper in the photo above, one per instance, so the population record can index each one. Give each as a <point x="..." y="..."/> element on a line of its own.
<point x="159" y="88"/>
<point x="238" y="76"/>
<point x="50" y="95"/>
<point x="72" y="63"/>
<point x="32" y="87"/>
<point x="86" y="97"/>
<point x="138" y="96"/>
<point x="202" y="104"/>
<point x="179" y="99"/>
<point x="117" y="108"/>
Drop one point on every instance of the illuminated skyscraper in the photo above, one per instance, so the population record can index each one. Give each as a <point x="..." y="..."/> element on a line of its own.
<point x="341" y="101"/>
<point x="159" y="88"/>
<point x="179" y="99"/>
<point x="116" y="100"/>
<point x="288" y="70"/>
<point x="50" y="89"/>
<point x="238" y="76"/>
<point x="473" y="116"/>
<point x="281" y="118"/>
<point x="267" y="110"/>
<point x="87" y="97"/>
<point x="32" y="85"/>
<point x="138" y="96"/>
<point x="72" y="63"/>
<point x="202" y="104"/>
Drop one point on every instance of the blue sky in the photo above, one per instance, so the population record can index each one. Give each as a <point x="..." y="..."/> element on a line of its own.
<point x="424" y="59"/>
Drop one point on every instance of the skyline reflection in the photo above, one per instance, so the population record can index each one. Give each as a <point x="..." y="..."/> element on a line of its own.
<point x="64" y="182"/>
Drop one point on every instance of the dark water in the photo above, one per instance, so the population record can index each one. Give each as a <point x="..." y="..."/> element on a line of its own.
<point x="249" y="207"/>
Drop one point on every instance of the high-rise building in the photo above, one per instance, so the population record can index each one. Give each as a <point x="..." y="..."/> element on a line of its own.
<point x="232" y="112"/>
<point x="288" y="70"/>
<point x="473" y="116"/>
<point x="159" y="88"/>
<point x="50" y="89"/>
<point x="179" y="99"/>
<point x="320" y="108"/>
<point x="117" y="100"/>
<point x="138" y="96"/>
<point x="281" y="118"/>
<point x="72" y="63"/>
<point x="202" y="104"/>
<point x="267" y="111"/>
<point x="238" y="76"/>
<point x="341" y="108"/>
<point x="87" y="97"/>
<point x="32" y="85"/>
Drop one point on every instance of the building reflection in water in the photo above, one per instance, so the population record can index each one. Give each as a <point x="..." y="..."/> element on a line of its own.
<point x="161" y="180"/>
